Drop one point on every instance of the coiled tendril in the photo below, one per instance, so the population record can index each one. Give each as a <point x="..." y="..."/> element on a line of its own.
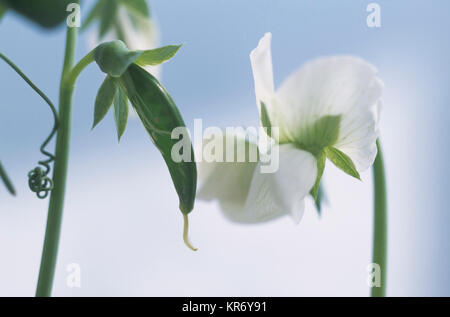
<point x="39" y="182"/>
<point x="38" y="179"/>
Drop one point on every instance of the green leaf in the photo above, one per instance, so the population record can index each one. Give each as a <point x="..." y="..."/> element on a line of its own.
<point x="5" y="179"/>
<point x="320" y="168"/>
<point x="158" y="55"/>
<point x="108" y="15"/>
<point x="114" y="57"/>
<point x="160" y="116"/>
<point x="341" y="160"/>
<point x="321" y="198"/>
<point x="46" y="13"/>
<point x="139" y="6"/>
<point x="104" y="99"/>
<point x="120" y="111"/>
<point x="95" y="13"/>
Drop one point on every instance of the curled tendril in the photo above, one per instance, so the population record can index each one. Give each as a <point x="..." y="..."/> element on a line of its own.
<point x="39" y="182"/>
<point x="38" y="179"/>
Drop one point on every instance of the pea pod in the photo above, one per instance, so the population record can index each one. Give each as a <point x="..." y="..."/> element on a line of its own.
<point x="155" y="108"/>
<point x="160" y="116"/>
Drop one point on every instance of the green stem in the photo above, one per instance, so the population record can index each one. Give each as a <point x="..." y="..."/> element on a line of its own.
<point x="380" y="223"/>
<point x="55" y="210"/>
<point x="72" y="76"/>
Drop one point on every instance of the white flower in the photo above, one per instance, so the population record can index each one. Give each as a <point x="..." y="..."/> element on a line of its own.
<point x="329" y="107"/>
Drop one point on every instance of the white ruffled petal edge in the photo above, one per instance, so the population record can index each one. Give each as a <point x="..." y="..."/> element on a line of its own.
<point x="261" y="60"/>
<point x="227" y="182"/>
<point x="276" y="194"/>
<point x="340" y="85"/>
<point x="246" y="195"/>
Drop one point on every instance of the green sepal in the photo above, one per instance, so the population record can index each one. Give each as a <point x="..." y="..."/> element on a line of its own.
<point x="6" y="181"/>
<point x="46" y="13"/>
<point x="342" y="161"/>
<point x="324" y="132"/>
<point x="157" y="55"/>
<point x="321" y="158"/>
<point x="104" y="99"/>
<point x="160" y="116"/>
<point x="320" y="199"/>
<point x="265" y="119"/>
<point x="114" y="57"/>
<point x="120" y="111"/>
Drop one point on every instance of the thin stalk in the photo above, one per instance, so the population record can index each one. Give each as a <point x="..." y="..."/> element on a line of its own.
<point x="186" y="233"/>
<point x="380" y="223"/>
<point x="71" y="77"/>
<point x="55" y="210"/>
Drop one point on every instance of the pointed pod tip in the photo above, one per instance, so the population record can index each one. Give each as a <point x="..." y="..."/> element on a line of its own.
<point x="186" y="233"/>
<point x="119" y="137"/>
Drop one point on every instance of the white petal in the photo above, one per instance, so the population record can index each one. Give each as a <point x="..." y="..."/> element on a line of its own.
<point x="226" y="182"/>
<point x="283" y="192"/>
<point x="346" y="86"/>
<point x="261" y="60"/>
<point x="358" y="137"/>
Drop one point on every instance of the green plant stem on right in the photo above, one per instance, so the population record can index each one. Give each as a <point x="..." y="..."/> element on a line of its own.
<point x="380" y="222"/>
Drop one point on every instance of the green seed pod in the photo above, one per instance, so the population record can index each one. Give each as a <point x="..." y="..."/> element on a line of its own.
<point x="155" y="108"/>
<point x="160" y="116"/>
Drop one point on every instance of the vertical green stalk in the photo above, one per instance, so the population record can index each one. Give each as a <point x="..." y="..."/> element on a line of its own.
<point x="380" y="222"/>
<point x="55" y="210"/>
